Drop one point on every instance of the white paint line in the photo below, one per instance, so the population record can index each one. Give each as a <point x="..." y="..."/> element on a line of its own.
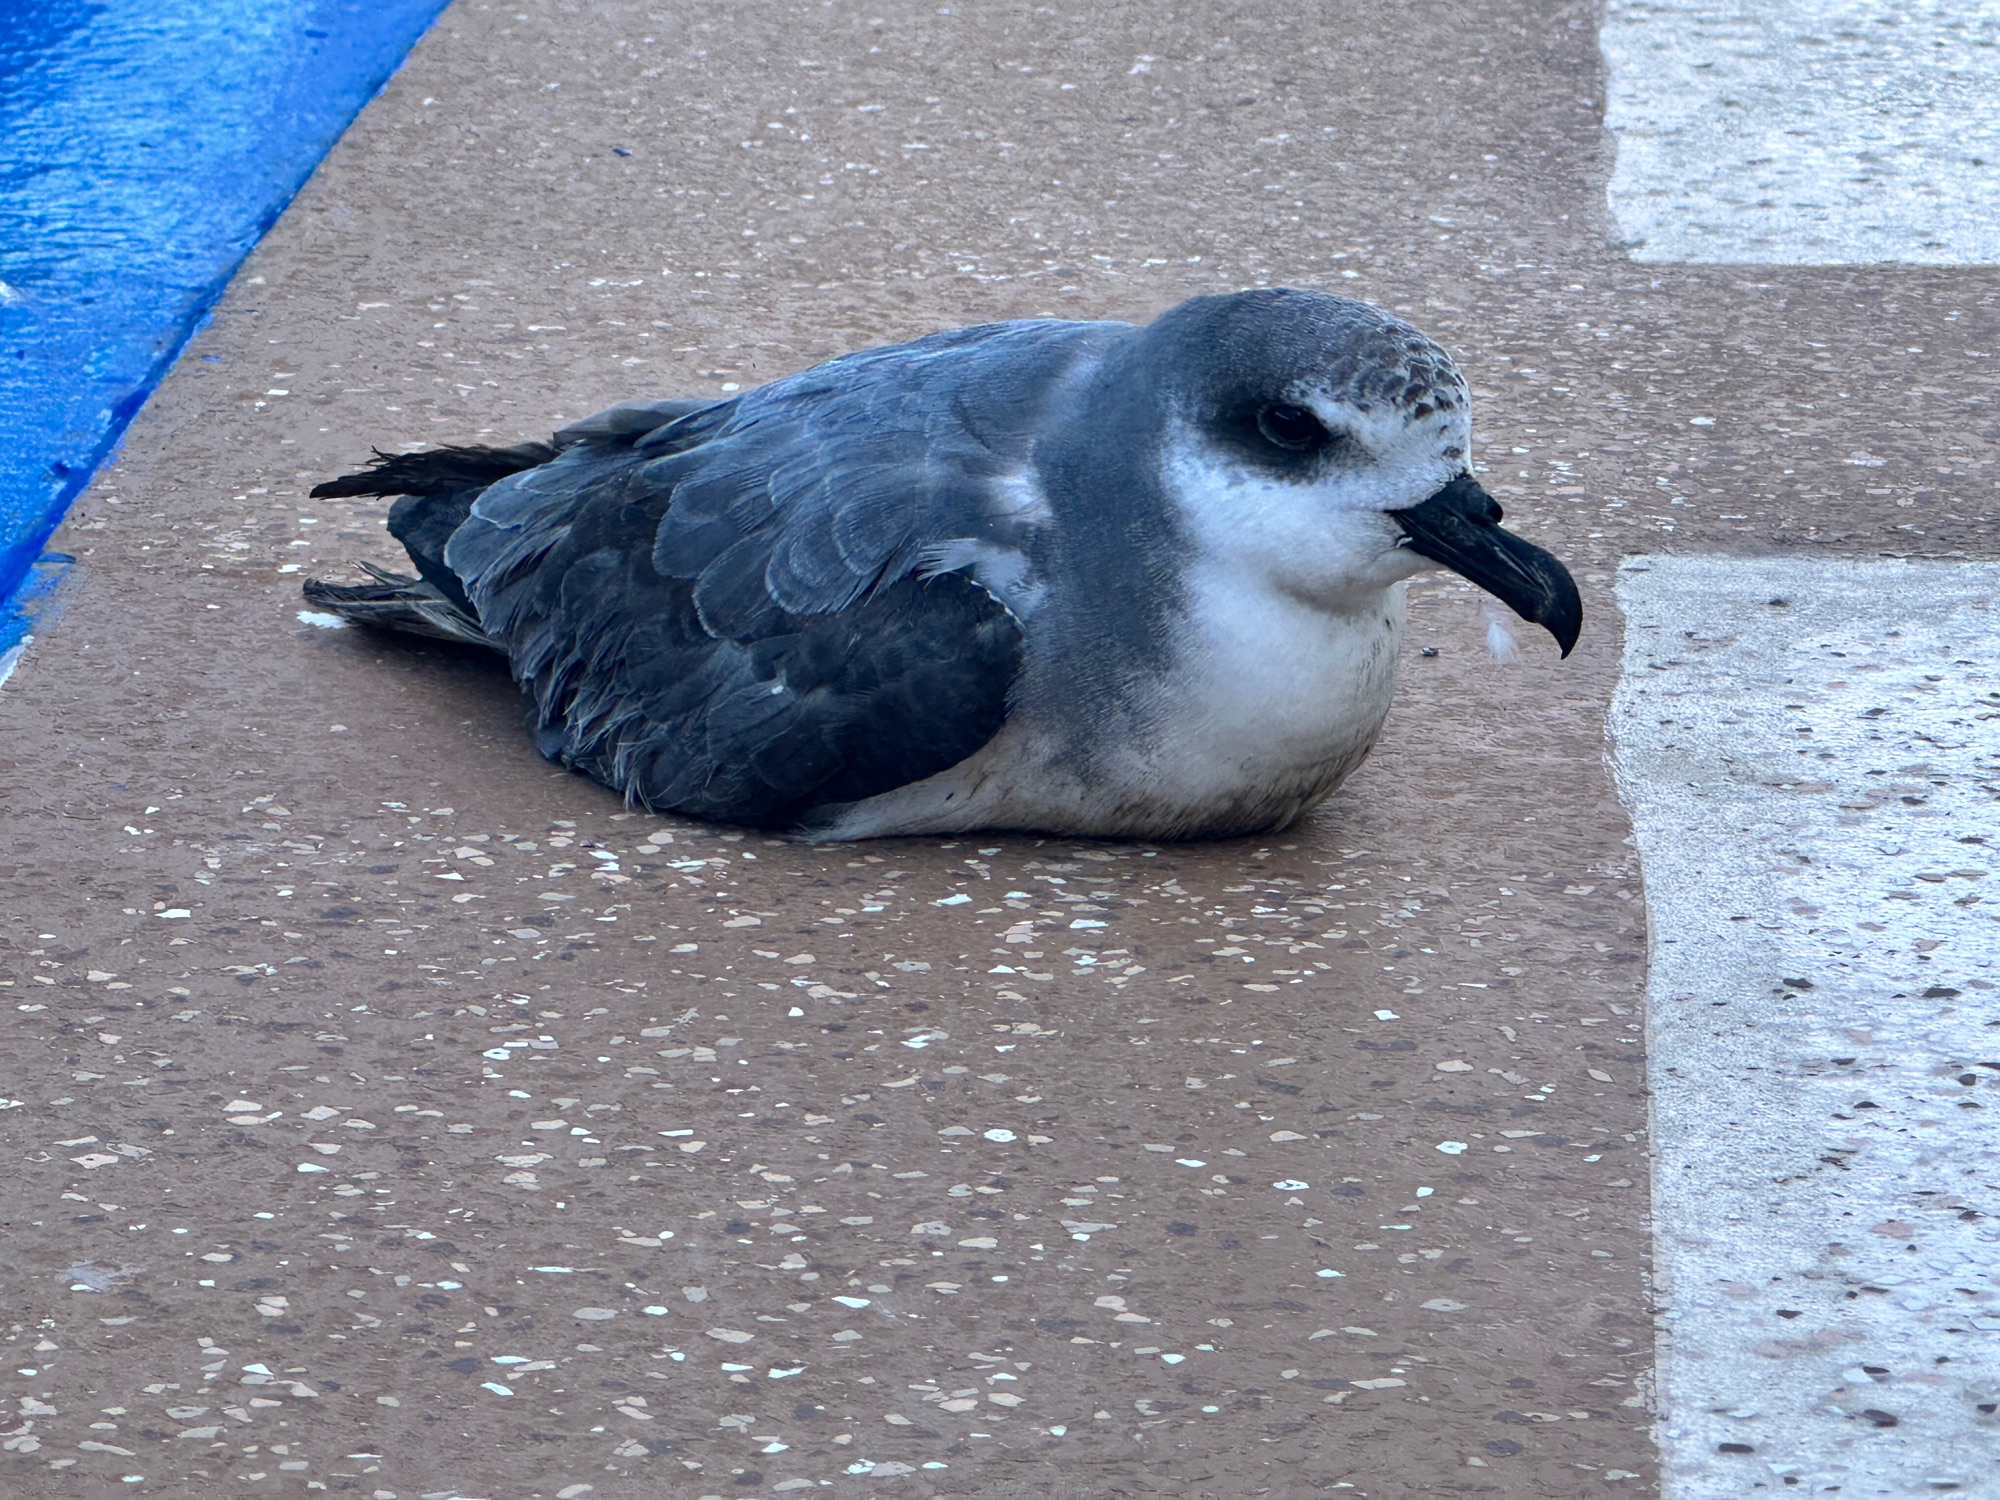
<point x="1811" y="783"/>
<point x="1806" y="132"/>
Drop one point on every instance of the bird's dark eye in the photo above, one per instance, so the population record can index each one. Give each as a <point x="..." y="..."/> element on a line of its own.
<point x="1292" y="428"/>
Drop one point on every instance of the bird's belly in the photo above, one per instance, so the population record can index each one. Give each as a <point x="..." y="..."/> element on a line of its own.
<point x="1273" y="703"/>
<point x="1268" y="706"/>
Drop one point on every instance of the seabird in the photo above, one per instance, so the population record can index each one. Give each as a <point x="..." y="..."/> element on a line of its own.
<point x="1077" y="577"/>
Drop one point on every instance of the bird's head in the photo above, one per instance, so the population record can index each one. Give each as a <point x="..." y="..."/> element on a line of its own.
<point x="1326" y="444"/>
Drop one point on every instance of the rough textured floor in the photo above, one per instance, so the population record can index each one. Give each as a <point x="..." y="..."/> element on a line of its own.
<point x="1812" y="790"/>
<point x="398" y="1116"/>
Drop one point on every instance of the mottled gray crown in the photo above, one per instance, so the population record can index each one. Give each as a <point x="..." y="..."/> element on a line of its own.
<point x="1282" y="343"/>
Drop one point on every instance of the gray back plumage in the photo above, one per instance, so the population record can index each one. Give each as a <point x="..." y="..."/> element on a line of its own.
<point x="755" y="607"/>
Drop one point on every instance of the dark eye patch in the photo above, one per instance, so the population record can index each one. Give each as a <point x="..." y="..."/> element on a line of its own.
<point x="1292" y="428"/>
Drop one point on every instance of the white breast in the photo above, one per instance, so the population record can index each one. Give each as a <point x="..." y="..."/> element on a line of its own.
<point x="1269" y="704"/>
<point x="1271" y="693"/>
<point x="1291" y="618"/>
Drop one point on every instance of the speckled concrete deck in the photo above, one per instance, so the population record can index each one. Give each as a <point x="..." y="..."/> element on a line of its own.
<point x="1805" y="132"/>
<point x="1805" y="749"/>
<point x="794" y="1170"/>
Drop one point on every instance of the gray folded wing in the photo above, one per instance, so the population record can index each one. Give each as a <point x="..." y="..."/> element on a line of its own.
<point x="804" y="596"/>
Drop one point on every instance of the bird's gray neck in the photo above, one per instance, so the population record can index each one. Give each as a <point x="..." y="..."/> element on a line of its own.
<point x="1114" y="543"/>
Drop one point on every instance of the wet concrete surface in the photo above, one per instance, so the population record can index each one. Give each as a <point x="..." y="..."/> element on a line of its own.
<point x="1828" y="133"/>
<point x="383" y="887"/>
<point x="1821" y="996"/>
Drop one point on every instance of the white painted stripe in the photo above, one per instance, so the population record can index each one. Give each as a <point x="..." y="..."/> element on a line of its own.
<point x="1806" y="132"/>
<point x="1811" y="781"/>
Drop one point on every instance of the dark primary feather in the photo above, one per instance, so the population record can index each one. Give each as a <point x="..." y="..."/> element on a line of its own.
<point x="435" y="471"/>
<point x="436" y="488"/>
<point x="723" y="609"/>
<point x="396" y="601"/>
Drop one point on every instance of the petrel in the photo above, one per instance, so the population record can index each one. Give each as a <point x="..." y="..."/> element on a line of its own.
<point x="1076" y="577"/>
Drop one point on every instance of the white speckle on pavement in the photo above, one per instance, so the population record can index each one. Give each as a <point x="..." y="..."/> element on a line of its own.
<point x="1808" y="749"/>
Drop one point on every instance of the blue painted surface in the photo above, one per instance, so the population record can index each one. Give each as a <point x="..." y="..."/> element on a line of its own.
<point x="145" y="147"/>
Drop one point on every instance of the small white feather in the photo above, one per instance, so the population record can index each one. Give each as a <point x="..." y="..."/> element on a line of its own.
<point x="1499" y="631"/>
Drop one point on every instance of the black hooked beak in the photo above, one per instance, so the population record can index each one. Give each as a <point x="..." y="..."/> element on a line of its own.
<point x="1459" y="527"/>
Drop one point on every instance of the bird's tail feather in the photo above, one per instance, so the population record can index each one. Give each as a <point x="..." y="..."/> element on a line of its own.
<point x="435" y="471"/>
<point x="397" y="601"/>
<point x="437" y="488"/>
